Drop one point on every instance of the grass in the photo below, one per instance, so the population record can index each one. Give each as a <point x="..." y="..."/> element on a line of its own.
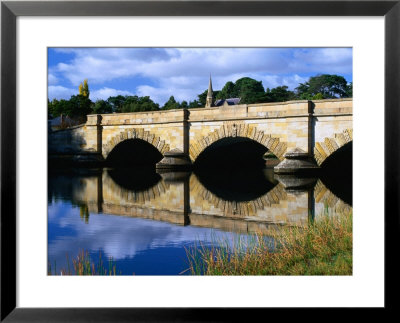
<point x="324" y="247"/>
<point x="82" y="265"/>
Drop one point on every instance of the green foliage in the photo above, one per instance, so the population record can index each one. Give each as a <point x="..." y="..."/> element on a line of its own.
<point x="329" y="86"/>
<point x="184" y="105"/>
<point x="194" y="104"/>
<point x="250" y="91"/>
<point x="171" y="104"/>
<point x="83" y="265"/>
<point x="116" y="103"/>
<point x="228" y="91"/>
<point x="77" y="106"/>
<point x="318" y="96"/>
<point x="102" y="106"/>
<point x="137" y="104"/>
<point x="247" y="89"/>
<point x="279" y="94"/>
<point x="57" y="107"/>
<point x="203" y="97"/>
<point x="349" y="90"/>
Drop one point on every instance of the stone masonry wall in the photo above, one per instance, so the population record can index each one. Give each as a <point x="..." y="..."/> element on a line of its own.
<point x="68" y="141"/>
<point x="319" y="127"/>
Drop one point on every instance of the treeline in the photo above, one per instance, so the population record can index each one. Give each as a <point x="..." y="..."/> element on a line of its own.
<point x="249" y="91"/>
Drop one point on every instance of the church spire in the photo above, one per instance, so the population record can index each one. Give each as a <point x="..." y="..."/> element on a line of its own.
<point x="209" y="100"/>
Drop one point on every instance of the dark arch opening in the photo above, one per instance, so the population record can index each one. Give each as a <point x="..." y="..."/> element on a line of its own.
<point x="133" y="153"/>
<point x="232" y="153"/>
<point x="337" y="173"/>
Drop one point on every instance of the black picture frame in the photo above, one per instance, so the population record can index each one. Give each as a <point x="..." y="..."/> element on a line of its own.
<point x="10" y="10"/>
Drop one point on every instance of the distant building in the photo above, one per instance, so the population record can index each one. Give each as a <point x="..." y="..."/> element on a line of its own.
<point x="226" y="102"/>
<point x="220" y="102"/>
<point x="62" y="122"/>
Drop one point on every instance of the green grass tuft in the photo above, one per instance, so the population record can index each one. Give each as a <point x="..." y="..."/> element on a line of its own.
<point x="324" y="247"/>
<point x="83" y="266"/>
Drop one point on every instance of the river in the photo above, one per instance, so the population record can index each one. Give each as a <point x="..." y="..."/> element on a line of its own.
<point x="146" y="221"/>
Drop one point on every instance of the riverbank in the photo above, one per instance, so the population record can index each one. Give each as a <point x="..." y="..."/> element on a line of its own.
<point x="322" y="248"/>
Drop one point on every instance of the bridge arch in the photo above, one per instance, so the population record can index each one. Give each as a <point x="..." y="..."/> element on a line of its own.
<point x="134" y="133"/>
<point x="238" y="208"/>
<point x="237" y="129"/>
<point x="326" y="148"/>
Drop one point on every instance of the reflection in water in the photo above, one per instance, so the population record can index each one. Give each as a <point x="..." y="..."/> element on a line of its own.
<point x="234" y="185"/>
<point x="134" y="179"/>
<point x="338" y="173"/>
<point x="145" y="220"/>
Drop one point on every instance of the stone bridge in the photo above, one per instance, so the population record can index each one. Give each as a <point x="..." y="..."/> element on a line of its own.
<point x="315" y="128"/>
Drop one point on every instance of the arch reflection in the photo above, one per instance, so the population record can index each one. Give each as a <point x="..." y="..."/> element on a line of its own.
<point x="184" y="199"/>
<point x="237" y="186"/>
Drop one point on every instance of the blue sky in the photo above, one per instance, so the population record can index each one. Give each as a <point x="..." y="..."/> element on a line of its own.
<point x="184" y="72"/>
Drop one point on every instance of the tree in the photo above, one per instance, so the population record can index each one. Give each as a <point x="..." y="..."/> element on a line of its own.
<point x="138" y="104"/>
<point x="79" y="106"/>
<point x="58" y="107"/>
<point x="84" y="89"/>
<point x="116" y="102"/>
<point x="246" y="88"/>
<point x="318" y="96"/>
<point x="184" y="105"/>
<point x="330" y="86"/>
<point x="102" y="106"/>
<point x="202" y="98"/>
<point x="228" y="91"/>
<point x="250" y="91"/>
<point x="279" y="94"/>
<point x="194" y="104"/>
<point x="349" y="90"/>
<point x="171" y="104"/>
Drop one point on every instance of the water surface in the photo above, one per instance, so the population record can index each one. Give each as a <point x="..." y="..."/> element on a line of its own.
<point x="146" y="221"/>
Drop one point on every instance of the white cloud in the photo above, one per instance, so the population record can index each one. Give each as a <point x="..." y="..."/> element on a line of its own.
<point x="184" y="72"/>
<point x="161" y="95"/>
<point x="100" y="65"/>
<point x="105" y="92"/>
<point x="52" y="79"/>
<point x="118" y="237"/>
<point x="291" y="81"/>
<point x="60" y="92"/>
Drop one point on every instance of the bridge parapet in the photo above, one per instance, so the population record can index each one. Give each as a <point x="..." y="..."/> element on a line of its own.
<point x="236" y="112"/>
<point x="333" y="107"/>
<point x="139" y="118"/>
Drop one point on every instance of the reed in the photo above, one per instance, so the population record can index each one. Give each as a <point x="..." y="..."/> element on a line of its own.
<point x="323" y="247"/>
<point x="82" y="265"/>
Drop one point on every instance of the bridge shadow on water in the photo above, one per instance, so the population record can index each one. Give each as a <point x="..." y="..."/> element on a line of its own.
<point x="234" y="185"/>
<point x="337" y="173"/>
<point x="134" y="179"/>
